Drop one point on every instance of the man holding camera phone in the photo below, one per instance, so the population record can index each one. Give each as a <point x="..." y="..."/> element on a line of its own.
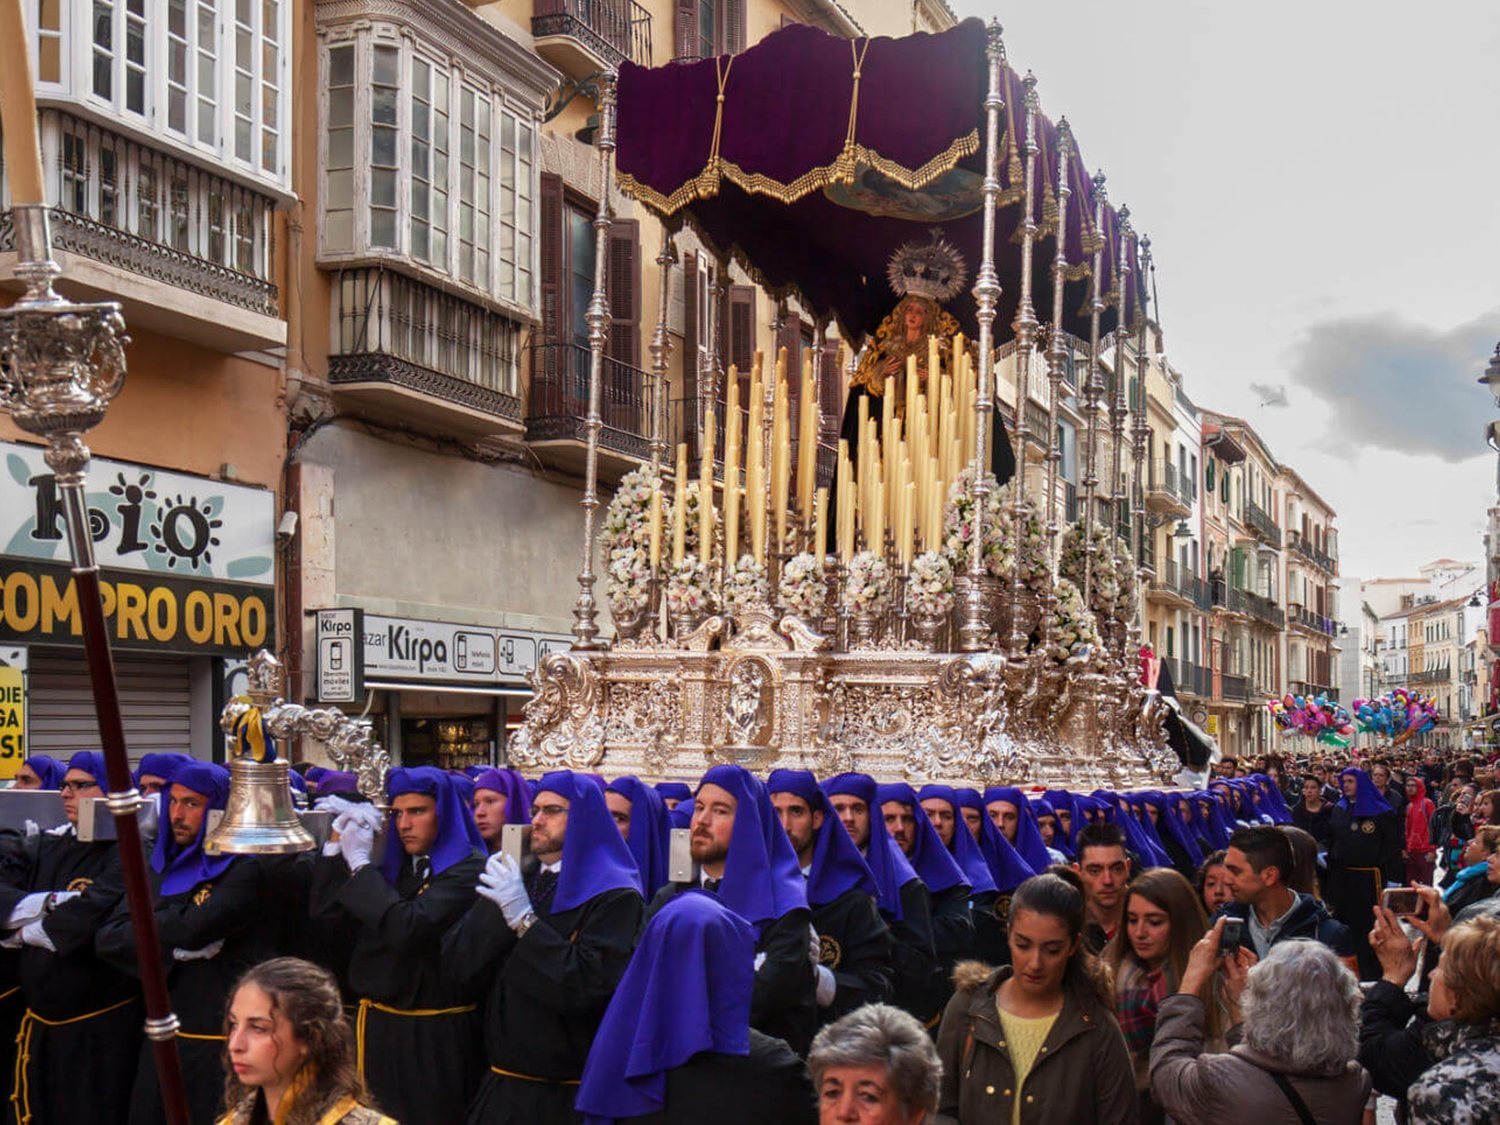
<point x="1269" y="911"/>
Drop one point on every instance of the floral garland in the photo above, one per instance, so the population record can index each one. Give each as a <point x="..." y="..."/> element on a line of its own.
<point x="803" y="590"/>
<point x="1036" y="570"/>
<point x="626" y="538"/>
<point x="745" y="584"/>
<point x="1104" y="590"/>
<point x="1125" y="602"/>
<point x="1077" y="631"/>
<point x="958" y="525"/>
<point x="929" y="591"/>
<point x="688" y="589"/>
<point x="867" y="589"/>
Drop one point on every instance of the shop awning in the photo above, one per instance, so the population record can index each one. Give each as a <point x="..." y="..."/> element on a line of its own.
<point x="810" y="158"/>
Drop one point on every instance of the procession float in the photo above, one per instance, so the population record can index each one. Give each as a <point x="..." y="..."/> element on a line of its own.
<point x="920" y="608"/>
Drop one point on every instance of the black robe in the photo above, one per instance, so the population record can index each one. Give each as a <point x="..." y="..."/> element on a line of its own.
<point x="991" y="913"/>
<point x="769" y="1085"/>
<point x="920" y="987"/>
<point x="857" y="948"/>
<point x="81" y="1071"/>
<point x="546" y="993"/>
<point x="421" y="1069"/>
<point x="236" y="908"/>
<point x="952" y="931"/>
<point x="1364" y="855"/>
<point x="784" y="1003"/>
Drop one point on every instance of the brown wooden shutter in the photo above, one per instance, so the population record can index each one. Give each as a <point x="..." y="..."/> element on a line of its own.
<point x="790" y="338"/>
<point x="741" y="320"/>
<point x="626" y="392"/>
<point x="546" y="359"/>
<point x="687" y="393"/>
<point x="734" y="26"/>
<point x="685" y="30"/>
<point x="830" y="389"/>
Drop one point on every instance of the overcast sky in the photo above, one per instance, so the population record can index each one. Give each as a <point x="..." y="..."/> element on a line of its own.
<point x="1321" y="184"/>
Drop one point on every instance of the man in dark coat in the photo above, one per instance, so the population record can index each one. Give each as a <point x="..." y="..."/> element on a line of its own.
<point x="904" y="901"/>
<point x="746" y="859"/>
<point x="1364" y="856"/>
<point x="939" y="804"/>
<point x="417" y="1036"/>
<point x="215" y="917"/>
<point x="81" y="1034"/>
<point x="952" y="922"/>
<point x="854" y="962"/>
<point x="547" y="944"/>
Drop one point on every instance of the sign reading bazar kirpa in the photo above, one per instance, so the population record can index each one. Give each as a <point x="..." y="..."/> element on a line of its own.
<point x="187" y="563"/>
<point x="400" y="648"/>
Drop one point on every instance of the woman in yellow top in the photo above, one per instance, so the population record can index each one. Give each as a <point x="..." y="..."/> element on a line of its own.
<point x="291" y="1052"/>
<point x="1036" y="1041"/>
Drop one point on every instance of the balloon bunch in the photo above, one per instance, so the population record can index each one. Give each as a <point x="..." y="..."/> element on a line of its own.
<point x="1397" y="715"/>
<point x="1314" y="716"/>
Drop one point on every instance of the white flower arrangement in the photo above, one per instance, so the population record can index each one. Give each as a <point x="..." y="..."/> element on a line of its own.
<point x="1036" y="570"/>
<point x="626" y="539"/>
<point x="1125" y="602"/>
<point x="867" y="589"/>
<point x="1104" y="572"/>
<point x="1077" y="631"/>
<point x="690" y="539"/>
<point x="958" y="526"/>
<point x="929" y="591"/>
<point x="745" y="584"/>
<point x="804" y="587"/>
<point x="688" y="590"/>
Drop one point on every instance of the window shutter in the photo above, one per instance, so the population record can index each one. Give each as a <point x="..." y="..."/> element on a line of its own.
<point x="831" y="389"/>
<point x="624" y="380"/>
<point x="685" y="28"/>
<point x="790" y="338"/>
<point x="688" y="396"/>
<point x="546" y="362"/>
<point x="741" y="321"/>
<point x="734" y="26"/>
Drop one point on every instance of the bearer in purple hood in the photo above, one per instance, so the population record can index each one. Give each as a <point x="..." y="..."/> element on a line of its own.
<point x="211" y="914"/>
<point x="747" y="860"/>
<point x="417" y="1036"/>
<point x="854" y="943"/>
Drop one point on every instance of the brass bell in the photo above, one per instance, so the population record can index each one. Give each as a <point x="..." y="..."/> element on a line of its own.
<point x="260" y="818"/>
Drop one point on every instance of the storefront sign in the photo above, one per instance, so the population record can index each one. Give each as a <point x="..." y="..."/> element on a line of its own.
<point x="39" y="605"/>
<point x="398" y="648"/>
<point x="142" y="519"/>
<point x="341" y="654"/>
<point x="12" y="720"/>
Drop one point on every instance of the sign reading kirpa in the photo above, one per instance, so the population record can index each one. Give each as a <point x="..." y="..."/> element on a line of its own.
<point x="187" y="563"/>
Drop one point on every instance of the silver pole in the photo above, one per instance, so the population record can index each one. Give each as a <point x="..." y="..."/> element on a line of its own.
<point x="585" y="610"/>
<point x="1091" y="392"/>
<point x="1057" y="360"/>
<point x="1140" y="434"/>
<point x="974" y="626"/>
<point x="1025" y="326"/>
<point x="661" y="352"/>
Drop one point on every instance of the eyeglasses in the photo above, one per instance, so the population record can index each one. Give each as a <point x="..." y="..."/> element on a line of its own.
<point x="77" y="786"/>
<point x="548" y="811"/>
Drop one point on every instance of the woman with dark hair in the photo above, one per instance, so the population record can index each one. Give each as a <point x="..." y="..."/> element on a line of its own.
<point x="1146" y="959"/>
<point x="1303" y="876"/>
<point x="1036" y="1041"/>
<point x="1214" y="885"/>
<point x="291" y="1051"/>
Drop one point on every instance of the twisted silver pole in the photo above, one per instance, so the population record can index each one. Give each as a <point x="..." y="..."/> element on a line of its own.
<point x="661" y="352"/>
<point x="585" y="610"/>
<point x="1025" y="328"/>
<point x="1057" y="361"/>
<point x="1117" y="400"/>
<point x="1140" y="433"/>
<point x="974" y="627"/>
<point x="1092" y="389"/>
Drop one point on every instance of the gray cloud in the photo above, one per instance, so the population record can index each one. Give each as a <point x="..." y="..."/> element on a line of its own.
<point x="1394" y="385"/>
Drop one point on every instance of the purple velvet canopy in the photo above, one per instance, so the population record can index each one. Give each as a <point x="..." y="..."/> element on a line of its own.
<point x="811" y="158"/>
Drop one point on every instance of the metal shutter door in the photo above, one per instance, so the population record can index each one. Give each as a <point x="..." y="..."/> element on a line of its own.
<point x="154" y="702"/>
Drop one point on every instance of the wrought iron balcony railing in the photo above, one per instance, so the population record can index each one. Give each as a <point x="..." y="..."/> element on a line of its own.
<point x="558" y="404"/>
<point x="1312" y="688"/>
<point x="1233" y="688"/>
<point x="615" y="30"/>
<point x="1262" y="525"/>
<point x="392" y="329"/>
<point x="1298" y="615"/>
<point x="1297" y="542"/>
<point x="1261" y="608"/>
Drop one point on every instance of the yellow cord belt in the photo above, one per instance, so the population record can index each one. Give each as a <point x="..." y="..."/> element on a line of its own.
<point x="503" y="1073"/>
<point x="414" y="1013"/>
<point x="21" y="1092"/>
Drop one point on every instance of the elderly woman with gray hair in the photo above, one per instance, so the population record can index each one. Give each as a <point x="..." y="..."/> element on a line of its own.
<point x="1292" y="1062"/>
<point x="875" y="1066"/>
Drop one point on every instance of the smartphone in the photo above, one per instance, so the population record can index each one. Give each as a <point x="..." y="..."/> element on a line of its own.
<point x="680" y="865"/>
<point x="1404" y="902"/>
<point x="515" y="841"/>
<point x="1233" y="934"/>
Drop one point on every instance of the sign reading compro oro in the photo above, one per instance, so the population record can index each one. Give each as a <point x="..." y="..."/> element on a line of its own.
<point x="39" y="605"/>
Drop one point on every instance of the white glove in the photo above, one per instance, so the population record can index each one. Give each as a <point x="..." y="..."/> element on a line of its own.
<point x="29" y="909"/>
<point x="33" y="828"/>
<point x="501" y="883"/>
<point x="814" y="944"/>
<point x="826" y="985"/>
<point x="356" y="842"/>
<point x="64" y="829"/>
<point x="208" y="952"/>
<point x="760" y="959"/>
<point x="34" y="934"/>
<point x="333" y="803"/>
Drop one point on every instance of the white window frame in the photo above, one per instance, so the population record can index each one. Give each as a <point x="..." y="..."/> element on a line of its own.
<point x="505" y="283"/>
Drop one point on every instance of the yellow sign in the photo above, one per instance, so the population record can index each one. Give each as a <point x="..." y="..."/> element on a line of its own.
<point x="12" y="721"/>
<point x="1212" y="726"/>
